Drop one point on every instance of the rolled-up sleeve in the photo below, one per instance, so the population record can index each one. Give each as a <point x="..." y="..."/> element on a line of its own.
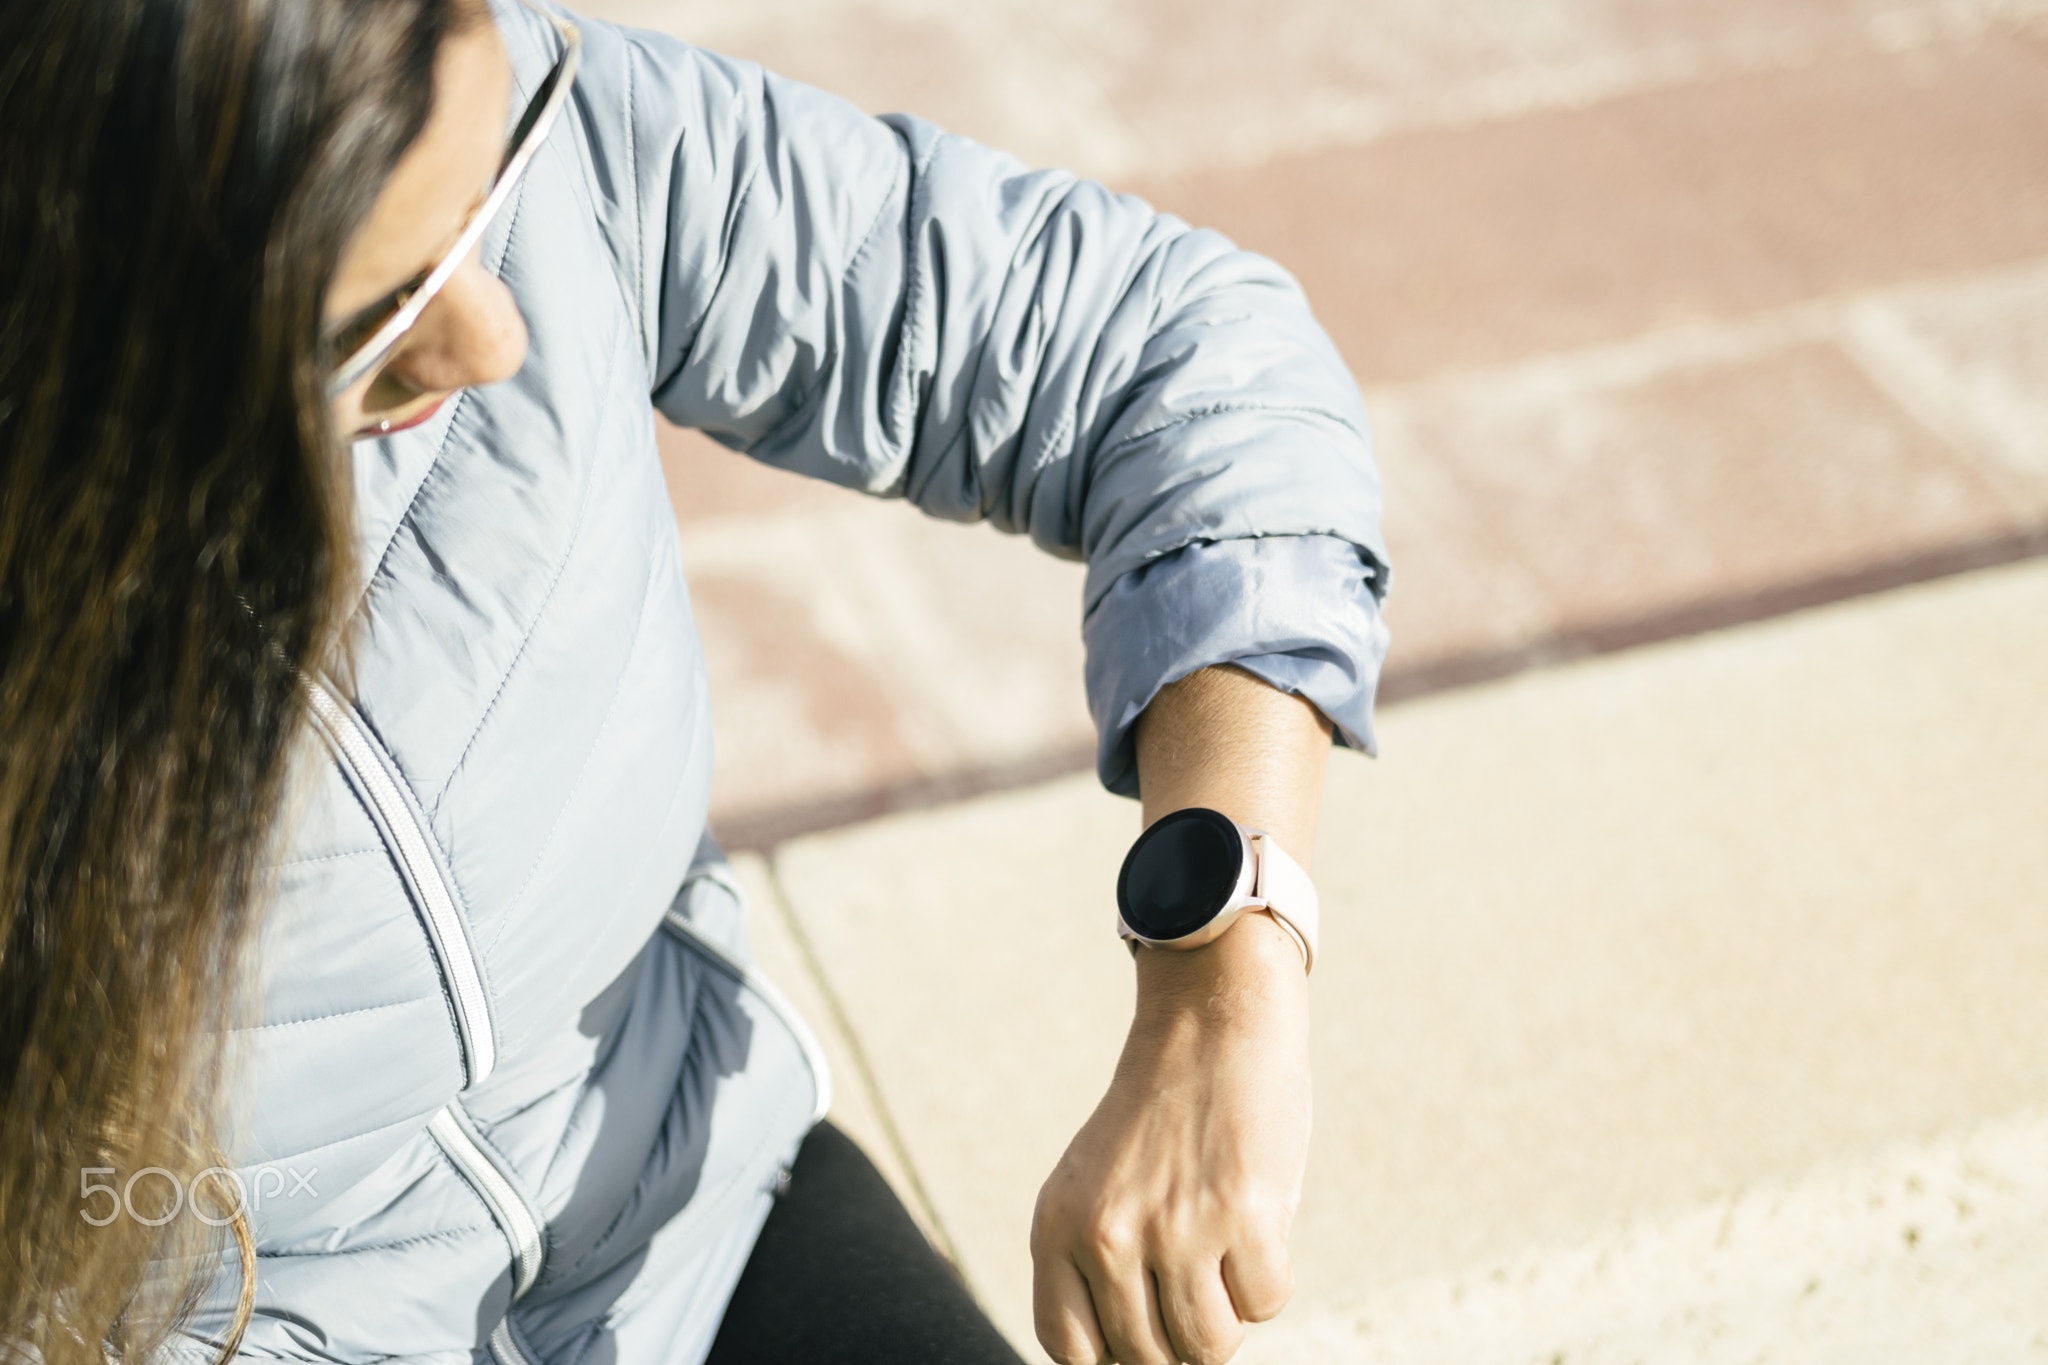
<point x="877" y="303"/>
<point x="1300" y="612"/>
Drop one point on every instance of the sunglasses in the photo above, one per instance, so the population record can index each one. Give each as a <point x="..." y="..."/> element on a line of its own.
<point x="367" y="339"/>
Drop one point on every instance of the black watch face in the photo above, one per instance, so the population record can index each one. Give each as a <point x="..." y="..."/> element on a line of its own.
<point x="1180" y="874"/>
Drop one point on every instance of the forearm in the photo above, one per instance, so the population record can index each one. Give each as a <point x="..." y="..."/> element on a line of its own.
<point x="1164" y="1228"/>
<point x="1223" y="739"/>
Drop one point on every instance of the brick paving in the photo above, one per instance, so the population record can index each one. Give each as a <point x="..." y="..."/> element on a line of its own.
<point x="1670" y="316"/>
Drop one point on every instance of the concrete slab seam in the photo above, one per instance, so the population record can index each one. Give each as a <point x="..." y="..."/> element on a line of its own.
<point x="843" y="1022"/>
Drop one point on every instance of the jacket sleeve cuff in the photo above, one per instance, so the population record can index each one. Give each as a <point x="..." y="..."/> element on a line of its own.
<point x="1300" y="612"/>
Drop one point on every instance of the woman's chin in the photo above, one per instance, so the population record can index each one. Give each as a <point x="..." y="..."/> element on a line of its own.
<point x="400" y="419"/>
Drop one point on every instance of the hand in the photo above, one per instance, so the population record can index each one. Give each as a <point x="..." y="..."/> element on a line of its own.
<point x="1163" y="1229"/>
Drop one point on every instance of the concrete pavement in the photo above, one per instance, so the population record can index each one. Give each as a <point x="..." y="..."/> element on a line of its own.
<point x="1684" y="1004"/>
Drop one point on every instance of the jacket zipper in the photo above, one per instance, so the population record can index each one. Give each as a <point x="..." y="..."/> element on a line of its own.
<point x="515" y="1216"/>
<point x="506" y="1347"/>
<point x="371" y="775"/>
<point x="370" y="772"/>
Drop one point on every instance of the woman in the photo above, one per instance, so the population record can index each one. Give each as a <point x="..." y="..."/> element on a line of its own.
<point x="356" y="748"/>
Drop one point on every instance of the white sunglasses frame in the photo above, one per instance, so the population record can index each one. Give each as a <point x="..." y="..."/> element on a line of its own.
<point x="552" y="95"/>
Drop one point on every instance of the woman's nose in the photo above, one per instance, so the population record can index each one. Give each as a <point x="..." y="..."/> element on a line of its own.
<point x="472" y="333"/>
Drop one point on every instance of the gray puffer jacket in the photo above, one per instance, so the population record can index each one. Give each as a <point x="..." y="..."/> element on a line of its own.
<point x="513" y="1091"/>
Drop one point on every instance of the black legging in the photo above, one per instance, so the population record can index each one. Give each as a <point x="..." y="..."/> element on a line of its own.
<point x="842" y="1276"/>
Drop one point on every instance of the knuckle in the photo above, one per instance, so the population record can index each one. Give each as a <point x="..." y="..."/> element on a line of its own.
<point x="1266" y="1240"/>
<point x="1061" y="1225"/>
<point x="1113" y="1235"/>
<point x="1264" y="1219"/>
<point x="1053" y="1209"/>
<point x="1185" y="1222"/>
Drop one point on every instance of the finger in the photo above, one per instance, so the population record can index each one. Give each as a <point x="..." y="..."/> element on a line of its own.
<point x="1064" y="1313"/>
<point x="1259" y="1277"/>
<point x="1127" y="1310"/>
<point x="1201" y="1321"/>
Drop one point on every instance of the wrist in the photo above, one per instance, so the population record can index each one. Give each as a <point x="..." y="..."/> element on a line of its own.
<point x="1194" y="874"/>
<point x="1252" y="972"/>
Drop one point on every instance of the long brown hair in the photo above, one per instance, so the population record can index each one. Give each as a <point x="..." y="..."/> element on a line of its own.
<point x="177" y="181"/>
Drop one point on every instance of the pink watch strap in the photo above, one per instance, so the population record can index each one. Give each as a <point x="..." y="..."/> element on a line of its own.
<point x="1289" y="895"/>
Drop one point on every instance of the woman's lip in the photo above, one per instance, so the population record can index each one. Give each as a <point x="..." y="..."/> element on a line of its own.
<point x="379" y="429"/>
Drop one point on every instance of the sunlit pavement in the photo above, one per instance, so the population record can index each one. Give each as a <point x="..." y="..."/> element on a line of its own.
<point x="1683" y="993"/>
<point x="1685" y="1004"/>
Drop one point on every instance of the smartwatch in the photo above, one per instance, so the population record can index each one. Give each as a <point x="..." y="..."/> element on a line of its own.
<point x="1190" y="876"/>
